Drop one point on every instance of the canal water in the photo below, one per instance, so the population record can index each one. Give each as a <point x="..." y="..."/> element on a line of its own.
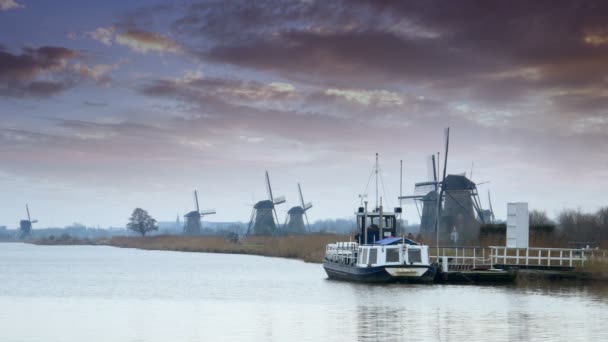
<point x="87" y="293"/>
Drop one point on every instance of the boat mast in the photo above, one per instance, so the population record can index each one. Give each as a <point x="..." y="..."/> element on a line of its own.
<point x="400" y="188"/>
<point x="380" y="222"/>
<point x="437" y="193"/>
<point x="376" y="180"/>
<point x="400" y="182"/>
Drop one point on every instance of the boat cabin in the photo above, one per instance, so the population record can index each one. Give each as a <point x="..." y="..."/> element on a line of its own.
<point x="392" y="251"/>
<point x="375" y="225"/>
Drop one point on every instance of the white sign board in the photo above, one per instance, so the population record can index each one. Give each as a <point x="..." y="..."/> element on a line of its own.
<point x="518" y="225"/>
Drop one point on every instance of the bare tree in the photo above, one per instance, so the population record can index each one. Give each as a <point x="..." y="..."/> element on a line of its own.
<point x="141" y="222"/>
<point x="539" y="218"/>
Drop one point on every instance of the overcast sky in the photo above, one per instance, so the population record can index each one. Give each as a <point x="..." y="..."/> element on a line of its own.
<point x="107" y="106"/>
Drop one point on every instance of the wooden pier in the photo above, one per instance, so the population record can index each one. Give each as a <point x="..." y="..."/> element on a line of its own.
<point x="480" y="263"/>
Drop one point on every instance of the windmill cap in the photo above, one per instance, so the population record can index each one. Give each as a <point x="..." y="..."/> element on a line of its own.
<point x="458" y="182"/>
<point x="265" y="204"/>
<point x="193" y="214"/>
<point x="296" y="210"/>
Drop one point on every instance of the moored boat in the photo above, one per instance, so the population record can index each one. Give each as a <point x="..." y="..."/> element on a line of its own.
<point x="378" y="256"/>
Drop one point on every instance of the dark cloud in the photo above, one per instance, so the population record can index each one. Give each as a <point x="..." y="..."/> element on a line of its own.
<point x="494" y="52"/>
<point x="23" y="74"/>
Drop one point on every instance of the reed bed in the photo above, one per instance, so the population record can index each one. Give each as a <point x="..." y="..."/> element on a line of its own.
<point x="308" y="248"/>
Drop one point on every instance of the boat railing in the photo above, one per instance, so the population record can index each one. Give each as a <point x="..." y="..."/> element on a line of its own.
<point x="342" y="252"/>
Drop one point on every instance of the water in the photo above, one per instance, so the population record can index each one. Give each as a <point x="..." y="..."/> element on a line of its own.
<point x="85" y="293"/>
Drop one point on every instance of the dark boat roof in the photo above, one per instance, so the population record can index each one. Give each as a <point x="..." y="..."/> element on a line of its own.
<point x="395" y="240"/>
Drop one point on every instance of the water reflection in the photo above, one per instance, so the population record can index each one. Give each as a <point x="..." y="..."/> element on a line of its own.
<point x="108" y="294"/>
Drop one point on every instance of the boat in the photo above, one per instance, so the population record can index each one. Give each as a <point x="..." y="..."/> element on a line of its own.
<point x="373" y="260"/>
<point x="377" y="255"/>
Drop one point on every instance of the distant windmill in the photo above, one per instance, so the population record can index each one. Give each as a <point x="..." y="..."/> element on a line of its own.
<point x="295" y="216"/>
<point x="192" y="226"/>
<point x="448" y="201"/>
<point x="426" y="193"/>
<point x="262" y="220"/>
<point x="25" y="226"/>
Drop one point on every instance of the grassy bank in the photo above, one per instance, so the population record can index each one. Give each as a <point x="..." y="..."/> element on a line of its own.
<point x="309" y="248"/>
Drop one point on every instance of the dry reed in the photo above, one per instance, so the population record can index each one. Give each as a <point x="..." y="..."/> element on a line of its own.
<point x="309" y="248"/>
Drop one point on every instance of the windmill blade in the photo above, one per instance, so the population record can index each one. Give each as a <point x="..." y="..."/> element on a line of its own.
<point x="34" y="221"/>
<point x="422" y="189"/>
<point x="447" y="146"/>
<point x="251" y="222"/>
<point x="307" y="206"/>
<point x="196" y="200"/>
<point x="268" y="187"/>
<point x="472" y="164"/>
<point x="490" y="205"/>
<point x="279" y="200"/>
<point x="27" y="208"/>
<point x="301" y="197"/>
<point x="306" y="217"/>
<point x="431" y="170"/>
<point x="208" y="212"/>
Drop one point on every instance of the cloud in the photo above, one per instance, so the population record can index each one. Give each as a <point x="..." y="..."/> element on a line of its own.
<point x="139" y="41"/>
<point x="98" y="72"/>
<point x="144" y="42"/>
<point x="367" y="97"/>
<point x="48" y="70"/>
<point x="36" y="71"/>
<point x="103" y="35"/>
<point x="194" y="87"/>
<point x="6" y="5"/>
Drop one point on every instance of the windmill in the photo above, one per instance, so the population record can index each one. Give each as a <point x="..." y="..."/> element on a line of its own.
<point x="294" y="223"/>
<point x="25" y="226"/>
<point x="263" y="215"/>
<point x="448" y="202"/>
<point x="461" y="210"/>
<point x="426" y="193"/>
<point x="192" y="224"/>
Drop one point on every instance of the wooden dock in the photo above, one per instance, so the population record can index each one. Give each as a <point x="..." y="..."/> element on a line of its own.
<point x="501" y="264"/>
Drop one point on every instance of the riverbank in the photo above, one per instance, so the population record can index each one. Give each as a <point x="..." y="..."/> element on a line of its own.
<point x="308" y="248"/>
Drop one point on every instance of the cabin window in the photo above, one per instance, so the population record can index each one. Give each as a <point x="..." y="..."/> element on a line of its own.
<point x="373" y="256"/>
<point x="363" y="256"/>
<point x="414" y="255"/>
<point x="392" y="255"/>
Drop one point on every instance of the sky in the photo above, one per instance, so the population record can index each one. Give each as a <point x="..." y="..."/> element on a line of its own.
<point x="108" y="106"/>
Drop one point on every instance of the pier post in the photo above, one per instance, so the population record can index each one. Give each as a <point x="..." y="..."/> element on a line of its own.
<point x="474" y="257"/>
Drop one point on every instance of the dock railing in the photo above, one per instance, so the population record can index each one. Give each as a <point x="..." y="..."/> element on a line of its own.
<point x="546" y="257"/>
<point x="486" y="257"/>
<point x="472" y="257"/>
